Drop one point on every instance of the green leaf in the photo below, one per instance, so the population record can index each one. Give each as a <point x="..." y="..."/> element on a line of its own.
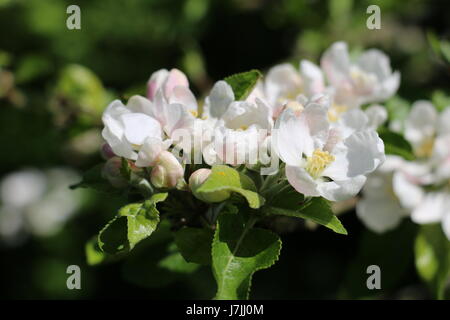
<point x="95" y="256"/>
<point x="432" y="250"/>
<point x="398" y="110"/>
<point x="195" y="244"/>
<point x="445" y="50"/>
<point x="395" y="144"/>
<point x="93" y="179"/>
<point x="243" y="83"/>
<point x="239" y="251"/>
<point x="133" y="223"/>
<point x="156" y="265"/>
<point x="175" y="262"/>
<point x="224" y="178"/>
<point x="316" y="209"/>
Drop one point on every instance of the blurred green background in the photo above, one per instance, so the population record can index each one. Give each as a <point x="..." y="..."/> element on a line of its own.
<point x="55" y="83"/>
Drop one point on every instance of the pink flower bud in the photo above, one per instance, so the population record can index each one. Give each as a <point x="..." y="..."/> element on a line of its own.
<point x="176" y="78"/>
<point x="166" y="81"/>
<point x="106" y="151"/>
<point x="197" y="179"/>
<point x="111" y="172"/>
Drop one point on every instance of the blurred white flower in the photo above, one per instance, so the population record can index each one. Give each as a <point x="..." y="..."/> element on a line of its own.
<point x="37" y="202"/>
<point x="366" y="80"/>
<point x="380" y="209"/>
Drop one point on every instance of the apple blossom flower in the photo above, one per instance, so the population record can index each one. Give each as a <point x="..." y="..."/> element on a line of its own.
<point x="423" y="125"/>
<point x="127" y="127"/>
<point x="366" y="80"/>
<point x="320" y="161"/>
<point x="239" y="127"/>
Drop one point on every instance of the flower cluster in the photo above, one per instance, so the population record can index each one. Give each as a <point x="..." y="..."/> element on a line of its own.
<point x="311" y="118"/>
<point x="417" y="188"/>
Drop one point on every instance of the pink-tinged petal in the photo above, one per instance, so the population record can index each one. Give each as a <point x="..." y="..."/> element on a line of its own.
<point x="176" y="78"/>
<point x="432" y="209"/>
<point x="302" y="181"/>
<point x="341" y="190"/>
<point x="156" y="82"/>
<point x="184" y="96"/>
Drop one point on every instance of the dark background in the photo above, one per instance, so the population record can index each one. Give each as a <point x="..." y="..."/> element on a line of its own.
<point x="46" y="106"/>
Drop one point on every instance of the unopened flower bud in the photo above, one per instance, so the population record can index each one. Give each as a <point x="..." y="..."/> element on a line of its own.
<point x="167" y="172"/>
<point x="106" y="151"/>
<point x="197" y="179"/>
<point x="111" y="171"/>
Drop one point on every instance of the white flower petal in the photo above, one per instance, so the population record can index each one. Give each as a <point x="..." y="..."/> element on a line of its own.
<point x="377" y="115"/>
<point x="365" y="152"/>
<point x="138" y="126"/>
<point x="421" y="122"/>
<point x="379" y="215"/>
<point x="314" y="82"/>
<point x="341" y="190"/>
<point x="432" y="209"/>
<point x="409" y="193"/>
<point x="220" y="98"/>
<point x="302" y="181"/>
<point x="290" y="137"/>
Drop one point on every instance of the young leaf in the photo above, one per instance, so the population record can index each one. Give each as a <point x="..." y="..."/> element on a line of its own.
<point x="224" y="178"/>
<point x="195" y="244"/>
<point x="95" y="256"/>
<point x="432" y="250"/>
<point x="317" y="209"/>
<point x="93" y="179"/>
<point x="394" y="143"/>
<point x="133" y="223"/>
<point x="238" y="251"/>
<point x="243" y="83"/>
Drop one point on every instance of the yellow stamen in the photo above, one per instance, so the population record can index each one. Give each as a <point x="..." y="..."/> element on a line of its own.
<point x="194" y="113"/>
<point x="318" y="162"/>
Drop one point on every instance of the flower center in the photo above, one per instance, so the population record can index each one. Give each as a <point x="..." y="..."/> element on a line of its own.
<point x="295" y="106"/>
<point x="335" y="111"/>
<point x="363" y="81"/>
<point x="318" y="162"/>
<point x="425" y="150"/>
<point x="194" y="113"/>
